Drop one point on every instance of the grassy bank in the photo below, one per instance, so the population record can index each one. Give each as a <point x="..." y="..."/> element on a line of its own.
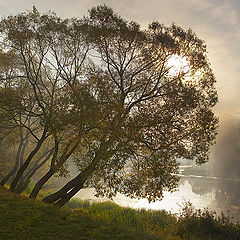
<point x="21" y="218"/>
<point x="191" y="224"/>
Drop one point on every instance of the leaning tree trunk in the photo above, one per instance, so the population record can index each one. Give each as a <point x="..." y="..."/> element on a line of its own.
<point x="27" y="162"/>
<point x="24" y="182"/>
<point x="73" y="184"/>
<point x="16" y="165"/>
<point x="64" y="199"/>
<point x="38" y="186"/>
<point x="70" y="189"/>
<point x="60" y="193"/>
<point x="53" y="169"/>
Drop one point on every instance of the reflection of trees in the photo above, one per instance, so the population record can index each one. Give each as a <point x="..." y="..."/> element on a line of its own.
<point x="228" y="197"/>
<point x="228" y="194"/>
<point x="227" y="153"/>
<point x="201" y="186"/>
<point x="226" y="166"/>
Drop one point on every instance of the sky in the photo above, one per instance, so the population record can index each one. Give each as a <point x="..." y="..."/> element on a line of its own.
<point x="217" y="22"/>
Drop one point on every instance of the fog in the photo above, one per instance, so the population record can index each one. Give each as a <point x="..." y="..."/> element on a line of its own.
<point x="221" y="175"/>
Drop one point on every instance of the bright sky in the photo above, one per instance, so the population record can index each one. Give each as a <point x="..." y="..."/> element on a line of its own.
<point x="215" y="21"/>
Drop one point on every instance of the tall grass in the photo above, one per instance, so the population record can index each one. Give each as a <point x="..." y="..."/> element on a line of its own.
<point x="191" y="224"/>
<point x="22" y="218"/>
<point x="144" y="220"/>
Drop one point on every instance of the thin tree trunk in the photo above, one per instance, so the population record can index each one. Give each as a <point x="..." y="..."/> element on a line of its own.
<point x="23" y="149"/>
<point x="27" y="162"/>
<point x="25" y="144"/>
<point x="9" y="175"/>
<point x="38" y="186"/>
<point x="53" y="197"/>
<point x="24" y="182"/>
<point x="16" y="165"/>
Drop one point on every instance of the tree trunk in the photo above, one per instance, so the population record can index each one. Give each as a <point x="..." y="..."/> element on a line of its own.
<point x="38" y="186"/>
<point x="71" y="188"/>
<point x="9" y="175"/>
<point x="16" y="165"/>
<point x="24" y="181"/>
<point x="55" y="196"/>
<point x="20" y="185"/>
<point x="75" y="183"/>
<point x="27" y="162"/>
<point x="26" y="140"/>
<point x="60" y="193"/>
<point x="63" y="200"/>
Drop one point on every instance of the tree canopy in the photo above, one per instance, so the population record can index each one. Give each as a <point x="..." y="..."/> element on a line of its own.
<point x="125" y="110"/>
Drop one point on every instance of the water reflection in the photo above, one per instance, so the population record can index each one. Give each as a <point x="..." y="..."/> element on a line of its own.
<point x="203" y="192"/>
<point x="171" y="201"/>
<point x="225" y="194"/>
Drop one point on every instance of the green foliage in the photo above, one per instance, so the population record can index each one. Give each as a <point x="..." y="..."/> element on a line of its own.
<point x="206" y="224"/>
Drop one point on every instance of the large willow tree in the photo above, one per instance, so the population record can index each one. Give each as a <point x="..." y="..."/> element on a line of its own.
<point x="144" y="96"/>
<point x="157" y="109"/>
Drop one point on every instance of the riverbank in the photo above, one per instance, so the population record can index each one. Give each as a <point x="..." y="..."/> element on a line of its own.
<point x="26" y="219"/>
<point x="22" y="218"/>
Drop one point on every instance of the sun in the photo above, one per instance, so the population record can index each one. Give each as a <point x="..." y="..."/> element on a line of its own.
<point x="178" y="65"/>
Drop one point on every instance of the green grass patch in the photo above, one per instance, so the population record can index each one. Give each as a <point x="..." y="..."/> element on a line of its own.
<point x="192" y="224"/>
<point x="143" y="220"/>
<point x="25" y="219"/>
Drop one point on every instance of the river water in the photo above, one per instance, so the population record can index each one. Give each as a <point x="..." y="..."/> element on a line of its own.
<point x="214" y="193"/>
<point x="171" y="202"/>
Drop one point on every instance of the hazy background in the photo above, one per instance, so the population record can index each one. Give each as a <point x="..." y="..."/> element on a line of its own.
<point x="218" y="23"/>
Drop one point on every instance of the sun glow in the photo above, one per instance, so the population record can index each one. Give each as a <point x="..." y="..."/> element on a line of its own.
<point x="178" y="65"/>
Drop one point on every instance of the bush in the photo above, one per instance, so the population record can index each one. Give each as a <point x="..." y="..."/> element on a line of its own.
<point x="206" y="224"/>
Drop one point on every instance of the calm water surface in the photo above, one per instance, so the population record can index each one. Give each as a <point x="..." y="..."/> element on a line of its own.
<point x="171" y="201"/>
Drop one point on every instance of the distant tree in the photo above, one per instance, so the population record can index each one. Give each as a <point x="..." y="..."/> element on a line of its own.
<point x="153" y="112"/>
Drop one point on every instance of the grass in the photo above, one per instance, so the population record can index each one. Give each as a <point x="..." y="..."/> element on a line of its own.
<point x="151" y="221"/>
<point x="25" y="219"/>
<point x="192" y="224"/>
